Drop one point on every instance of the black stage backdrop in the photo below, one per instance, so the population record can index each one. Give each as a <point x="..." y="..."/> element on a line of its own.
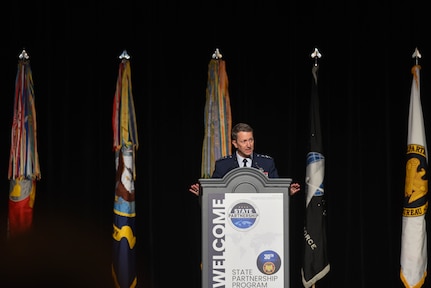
<point x="364" y="81"/>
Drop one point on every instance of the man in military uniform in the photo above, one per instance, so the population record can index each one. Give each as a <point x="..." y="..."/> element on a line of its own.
<point x="244" y="156"/>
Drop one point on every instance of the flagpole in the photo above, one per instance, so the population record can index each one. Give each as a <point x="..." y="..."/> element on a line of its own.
<point x="217" y="54"/>
<point x="416" y="55"/>
<point x="316" y="55"/>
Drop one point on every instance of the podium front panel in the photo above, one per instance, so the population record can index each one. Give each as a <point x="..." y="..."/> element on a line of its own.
<point x="245" y="230"/>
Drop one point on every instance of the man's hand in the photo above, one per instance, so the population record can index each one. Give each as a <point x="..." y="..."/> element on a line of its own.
<point x="294" y="187"/>
<point x="194" y="188"/>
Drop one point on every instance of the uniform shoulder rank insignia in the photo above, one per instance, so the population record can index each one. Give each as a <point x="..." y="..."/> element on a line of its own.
<point x="226" y="157"/>
<point x="263" y="156"/>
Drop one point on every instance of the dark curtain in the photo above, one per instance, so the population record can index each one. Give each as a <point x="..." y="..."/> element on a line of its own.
<point x="364" y="82"/>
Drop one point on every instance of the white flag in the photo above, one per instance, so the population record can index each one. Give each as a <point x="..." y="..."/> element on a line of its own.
<point x="413" y="235"/>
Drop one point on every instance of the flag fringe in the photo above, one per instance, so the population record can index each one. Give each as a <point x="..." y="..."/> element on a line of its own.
<point x="317" y="277"/>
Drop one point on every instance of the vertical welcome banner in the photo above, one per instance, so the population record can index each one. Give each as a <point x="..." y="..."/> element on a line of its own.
<point x="24" y="168"/>
<point x="246" y="232"/>
<point x="125" y="145"/>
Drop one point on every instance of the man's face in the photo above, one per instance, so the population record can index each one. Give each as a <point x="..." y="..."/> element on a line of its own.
<point x="244" y="144"/>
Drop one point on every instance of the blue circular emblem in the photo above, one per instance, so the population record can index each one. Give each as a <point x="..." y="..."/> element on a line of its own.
<point x="243" y="215"/>
<point x="268" y="262"/>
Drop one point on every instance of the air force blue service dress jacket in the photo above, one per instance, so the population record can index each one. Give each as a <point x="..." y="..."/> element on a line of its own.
<point x="264" y="163"/>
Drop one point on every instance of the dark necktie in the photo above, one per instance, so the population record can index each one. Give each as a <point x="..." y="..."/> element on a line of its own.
<point x="245" y="162"/>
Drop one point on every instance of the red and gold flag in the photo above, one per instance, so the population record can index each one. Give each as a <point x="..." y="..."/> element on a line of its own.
<point x="24" y="168"/>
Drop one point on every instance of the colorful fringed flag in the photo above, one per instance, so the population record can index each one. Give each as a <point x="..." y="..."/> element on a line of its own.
<point x="125" y="146"/>
<point x="24" y="168"/>
<point x="218" y="118"/>
<point x="414" y="236"/>
<point x="315" y="262"/>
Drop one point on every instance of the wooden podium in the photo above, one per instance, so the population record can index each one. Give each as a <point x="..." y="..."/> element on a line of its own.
<point x="245" y="230"/>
